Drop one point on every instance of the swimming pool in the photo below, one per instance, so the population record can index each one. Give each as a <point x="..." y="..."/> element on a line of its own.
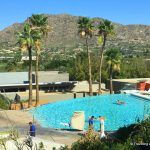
<point x="52" y="114"/>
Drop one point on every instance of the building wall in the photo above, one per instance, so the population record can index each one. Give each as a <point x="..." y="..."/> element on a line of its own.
<point x="13" y="77"/>
<point x="53" y="76"/>
<point x="22" y="77"/>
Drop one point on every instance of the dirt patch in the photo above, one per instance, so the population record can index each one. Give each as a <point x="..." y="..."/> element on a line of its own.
<point x="24" y="105"/>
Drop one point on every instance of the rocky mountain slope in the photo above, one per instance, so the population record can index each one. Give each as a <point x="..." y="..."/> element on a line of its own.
<point x="65" y="29"/>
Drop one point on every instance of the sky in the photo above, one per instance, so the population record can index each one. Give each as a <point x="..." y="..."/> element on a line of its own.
<point x="118" y="11"/>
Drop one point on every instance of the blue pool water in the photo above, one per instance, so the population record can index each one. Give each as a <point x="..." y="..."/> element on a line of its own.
<point x="52" y="114"/>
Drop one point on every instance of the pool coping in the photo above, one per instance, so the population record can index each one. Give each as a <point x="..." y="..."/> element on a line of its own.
<point x="141" y="96"/>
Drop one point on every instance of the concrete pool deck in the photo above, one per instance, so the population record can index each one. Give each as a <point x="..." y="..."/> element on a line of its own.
<point x="142" y="95"/>
<point x="138" y="93"/>
<point x="19" y="120"/>
<point x="80" y="89"/>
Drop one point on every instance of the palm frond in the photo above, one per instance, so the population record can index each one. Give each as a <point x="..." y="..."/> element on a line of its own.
<point x="85" y="26"/>
<point x="113" y="58"/>
<point x="105" y="27"/>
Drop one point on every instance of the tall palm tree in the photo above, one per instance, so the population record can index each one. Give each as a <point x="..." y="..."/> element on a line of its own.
<point x="39" y="23"/>
<point x="105" y="28"/>
<point x="26" y="40"/>
<point x="86" y="31"/>
<point x="113" y="59"/>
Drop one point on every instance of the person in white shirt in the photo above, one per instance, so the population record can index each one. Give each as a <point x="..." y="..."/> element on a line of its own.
<point x="102" y="127"/>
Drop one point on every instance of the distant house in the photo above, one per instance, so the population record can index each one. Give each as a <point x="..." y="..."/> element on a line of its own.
<point x="25" y="58"/>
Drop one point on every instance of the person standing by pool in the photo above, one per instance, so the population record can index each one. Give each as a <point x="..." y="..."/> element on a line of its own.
<point x="91" y="121"/>
<point x="32" y="129"/>
<point x="102" y="128"/>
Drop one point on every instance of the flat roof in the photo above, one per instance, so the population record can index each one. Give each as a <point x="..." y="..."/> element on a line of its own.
<point x="42" y="83"/>
<point x="135" y="80"/>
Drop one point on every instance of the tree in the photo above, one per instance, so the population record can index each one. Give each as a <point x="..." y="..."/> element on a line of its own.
<point x="13" y="64"/>
<point x="86" y="31"/>
<point x="26" y="40"/>
<point x="113" y="59"/>
<point x="38" y="23"/>
<point x="105" y="28"/>
<point x="80" y="67"/>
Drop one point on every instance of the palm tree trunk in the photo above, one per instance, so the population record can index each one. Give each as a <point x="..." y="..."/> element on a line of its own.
<point x="100" y="66"/>
<point x="110" y="80"/>
<point x="89" y="68"/>
<point x="30" y="77"/>
<point x="37" y="78"/>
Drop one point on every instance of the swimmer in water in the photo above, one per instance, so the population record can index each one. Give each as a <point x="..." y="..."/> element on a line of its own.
<point x="120" y="102"/>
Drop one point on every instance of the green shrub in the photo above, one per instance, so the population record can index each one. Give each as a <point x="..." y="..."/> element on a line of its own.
<point x="130" y="135"/>
<point x="137" y="133"/>
<point x="4" y="102"/>
<point x="141" y="132"/>
<point x="124" y="132"/>
<point x="89" y="141"/>
<point x="123" y="146"/>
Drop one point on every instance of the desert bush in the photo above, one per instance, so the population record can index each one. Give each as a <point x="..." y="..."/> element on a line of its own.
<point x="4" y="102"/>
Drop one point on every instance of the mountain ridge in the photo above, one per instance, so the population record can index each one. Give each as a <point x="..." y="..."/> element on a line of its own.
<point x="65" y="29"/>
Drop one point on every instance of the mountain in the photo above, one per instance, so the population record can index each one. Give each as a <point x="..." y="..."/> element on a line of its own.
<point x="129" y="38"/>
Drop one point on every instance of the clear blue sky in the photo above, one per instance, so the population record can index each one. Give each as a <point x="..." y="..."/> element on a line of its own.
<point x="120" y="11"/>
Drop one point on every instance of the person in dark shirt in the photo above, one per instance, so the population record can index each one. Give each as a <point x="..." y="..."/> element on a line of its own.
<point x="32" y="129"/>
<point x="91" y="121"/>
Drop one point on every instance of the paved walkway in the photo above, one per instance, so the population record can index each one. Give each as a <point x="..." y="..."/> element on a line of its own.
<point x="19" y="120"/>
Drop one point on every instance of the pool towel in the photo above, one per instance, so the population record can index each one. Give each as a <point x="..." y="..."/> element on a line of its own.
<point x="78" y="120"/>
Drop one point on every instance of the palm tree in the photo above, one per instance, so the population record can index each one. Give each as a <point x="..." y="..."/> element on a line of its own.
<point x="39" y="23"/>
<point x="105" y="28"/>
<point x="26" y="40"/>
<point x="86" y="31"/>
<point x="113" y="59"/>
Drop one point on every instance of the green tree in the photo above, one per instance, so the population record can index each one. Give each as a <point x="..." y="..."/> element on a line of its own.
<point x="14" y="64"/>
<point x="80" y="67"/>
<point x="113" y="59"/>
<point x="26" y="40"/>
<point x="86" y="31"/>
<point x="105" y="28"/>
<point x="39" y="23"/>
<point x="133" y="68"/>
